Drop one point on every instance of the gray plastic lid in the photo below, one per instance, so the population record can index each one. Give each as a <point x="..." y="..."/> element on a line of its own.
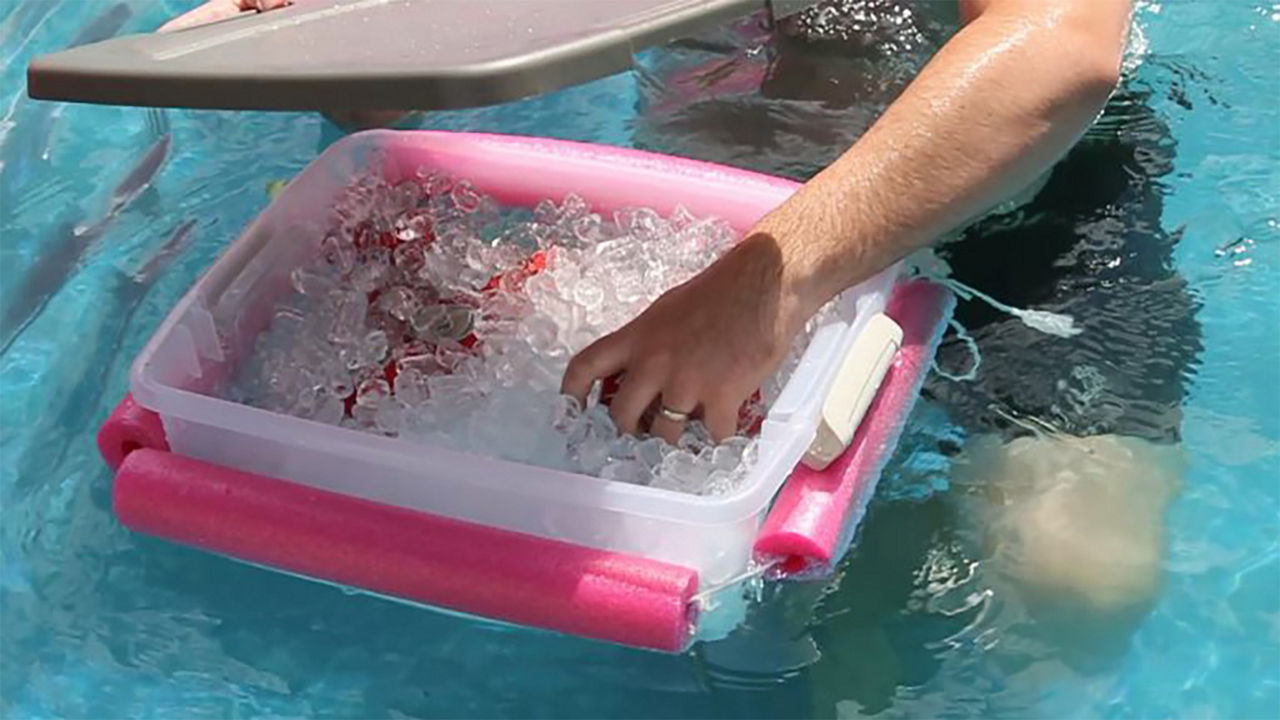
<point x="376" y="54"/>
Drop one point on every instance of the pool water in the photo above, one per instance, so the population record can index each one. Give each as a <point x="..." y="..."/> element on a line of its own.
<point x="97" y="622"/>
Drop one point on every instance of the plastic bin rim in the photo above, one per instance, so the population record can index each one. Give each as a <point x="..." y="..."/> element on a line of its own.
<point x="744" y="502"/>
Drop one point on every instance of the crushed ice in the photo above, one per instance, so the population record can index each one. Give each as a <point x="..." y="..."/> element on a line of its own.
<point x="431" y="314"/>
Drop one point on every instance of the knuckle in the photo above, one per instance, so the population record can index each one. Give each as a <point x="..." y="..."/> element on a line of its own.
<point x="575" y="375"/>
<point x="686" y="381"/>
<point x="579" y="366"/>
<point x="655" y="362"/>
<point x="586" y="362"/>
<point x="719" y="396"/>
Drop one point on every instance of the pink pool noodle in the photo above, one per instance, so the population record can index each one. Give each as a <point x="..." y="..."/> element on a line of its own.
<point x="130" y="427"/>
<point x="610" y="178"/>
<point x="811" y="519"/>
<point x="407" y="554"/>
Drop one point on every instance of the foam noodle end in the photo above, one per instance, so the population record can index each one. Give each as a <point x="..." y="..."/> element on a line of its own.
<point x="130" y="427"/>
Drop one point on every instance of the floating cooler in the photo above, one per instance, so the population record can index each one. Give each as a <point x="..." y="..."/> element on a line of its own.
<point x="512" y="542"/>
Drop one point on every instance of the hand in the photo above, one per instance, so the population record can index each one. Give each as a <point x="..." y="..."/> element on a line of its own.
<point x="216" y="10"/>
<point x="703" y="347"/>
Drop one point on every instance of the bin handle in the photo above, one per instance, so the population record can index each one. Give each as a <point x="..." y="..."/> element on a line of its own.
<point x="812" y="520"/>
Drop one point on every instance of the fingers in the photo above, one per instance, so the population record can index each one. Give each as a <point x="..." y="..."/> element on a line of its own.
<point x="646" y="386"/>
<point x="721" y="419"/>
<point x="599" y="360"/>
<point x="204" y="14"/>
<point x="679" y="396"/>
<point x="216" y="10"/>
<point x="639" y="389"/>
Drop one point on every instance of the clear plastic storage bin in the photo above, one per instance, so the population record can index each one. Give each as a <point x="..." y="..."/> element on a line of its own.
<point x="215" y="325"/>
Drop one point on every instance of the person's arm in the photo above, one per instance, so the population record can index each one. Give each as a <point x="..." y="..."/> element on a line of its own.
<point x="216" y="10"/>
<point x="997" y="105"/>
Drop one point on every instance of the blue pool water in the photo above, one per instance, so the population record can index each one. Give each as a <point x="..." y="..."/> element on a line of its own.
<point x="97" y="622"/>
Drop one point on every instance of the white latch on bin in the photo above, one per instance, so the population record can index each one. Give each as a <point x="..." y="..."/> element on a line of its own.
<point x="855" y="386"/>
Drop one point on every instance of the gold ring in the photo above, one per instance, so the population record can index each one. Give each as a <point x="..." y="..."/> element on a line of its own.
<point x="673" y="415"/>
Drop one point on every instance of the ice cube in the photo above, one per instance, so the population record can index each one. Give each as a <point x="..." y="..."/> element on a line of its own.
<point x="435" y="183"/>
<point x="348" y="318"/>
<point x="310" y="283"/>
<point x="695" y="438"/>
<point x="651" y="452"/>
<point x="588" y="294"/>
<point x="388" y="416"/>
<point x="451" y="357"/>
<point x="447" y="386"/>
<point x="486" y="219"/>
<point x="728" y="455"/>
<point x="646" y="224"/>
<point x="306" y="401"/>
<point x="331" y="410"/>
<point x="721" y="482"/>
<point x="373" y="348"/>
<point x="411" y="387"/>
<point x="465" y="197"/>
<point x="682" y="219"/>
<point x="399" y="302"/>
<point x="546" y="212"/>
<point x="591" y="455"/>
<point x="566" y="410"/>
<point x="419" y="358"/>
<point x="287" y="322"/>
<point x="336" y="379"/>
<point x="338" y="253"/>
<point x="368" y="275"/>
<point x="372" y="391"/>
<point x="540" y="332"/>
<point x="626" y="471"/>
<point x="409" y="259"/>
<point x="562" y="313"/>
<point x="587" y="230"/>
<point x="623" y="448"/>
<point x="405" y="194"/>
<point x="682" y="472"/>
<point x="599" y="422"/>
<point x="629" y="287"/>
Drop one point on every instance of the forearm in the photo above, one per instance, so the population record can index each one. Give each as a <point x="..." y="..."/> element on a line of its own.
<point x="1002" y="101"/>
